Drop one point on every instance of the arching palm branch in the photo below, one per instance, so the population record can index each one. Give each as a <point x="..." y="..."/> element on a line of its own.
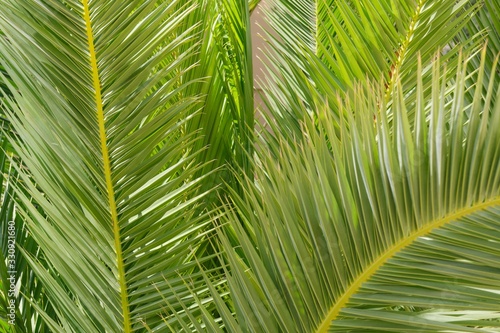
<point x="378" y="228"/>
<point x="371" y="207"/>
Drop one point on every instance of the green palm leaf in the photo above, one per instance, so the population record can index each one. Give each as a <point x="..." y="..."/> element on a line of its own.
<point x="487" y="22"/>
<point x="101" y="111"/>
<point x="372" y="207"/>
<point x="226" y="120"/>
<point x="323" y="47"/>
<point x="381" y="228"/>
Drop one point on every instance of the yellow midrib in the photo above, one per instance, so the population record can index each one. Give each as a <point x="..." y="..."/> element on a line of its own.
<point x="107" y="170"/>
<point x="390" y="252"/>
<point x="402" y="50"/>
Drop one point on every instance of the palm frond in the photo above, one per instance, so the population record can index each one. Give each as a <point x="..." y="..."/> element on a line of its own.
<point x="101" y="114"/>
<point x="339" y="43"/>
<point x="486" y="22"/>
<point x="14" y="269"/>
<point x="381" y="228"/>
<point x="226" y="120"/>
<point x="252" y="4"/>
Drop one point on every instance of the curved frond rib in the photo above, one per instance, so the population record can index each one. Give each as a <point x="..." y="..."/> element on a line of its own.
<point x="107" y="169"/>
<point x="393" y="250"/>
<point x="400" y="53"/>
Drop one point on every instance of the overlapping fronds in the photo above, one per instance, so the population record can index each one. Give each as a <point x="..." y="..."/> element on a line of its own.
<point x="100" y="111"/>
<point x="372" y="206"/>
<point x="382" y="228"/>
<point x="14" y="269"/>
<point x="325" y="47"/>
<point x="226" y="119"/>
